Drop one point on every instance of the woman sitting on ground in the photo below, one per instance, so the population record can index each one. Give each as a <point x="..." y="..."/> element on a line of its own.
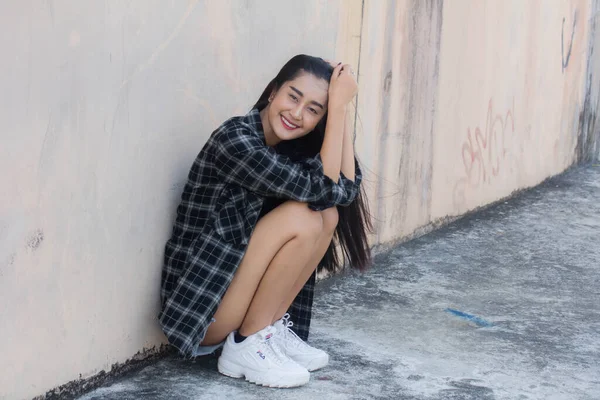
<point x="264" y="200"/>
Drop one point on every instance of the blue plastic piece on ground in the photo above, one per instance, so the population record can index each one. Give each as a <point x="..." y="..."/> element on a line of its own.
<point x="469" y="317"/>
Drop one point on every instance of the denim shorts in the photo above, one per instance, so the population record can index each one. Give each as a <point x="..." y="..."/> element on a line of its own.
<point x="205" y="350"/>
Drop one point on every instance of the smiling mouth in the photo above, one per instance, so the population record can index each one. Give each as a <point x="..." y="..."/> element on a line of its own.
<point x="287" y="124"/>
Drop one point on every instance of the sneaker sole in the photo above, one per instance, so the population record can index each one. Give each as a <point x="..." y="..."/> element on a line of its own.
<point x="314" y="364"/>
<point x="235" y="371"/>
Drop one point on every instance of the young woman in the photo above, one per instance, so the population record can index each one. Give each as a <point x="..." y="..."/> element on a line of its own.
<point x="264" y="199"/>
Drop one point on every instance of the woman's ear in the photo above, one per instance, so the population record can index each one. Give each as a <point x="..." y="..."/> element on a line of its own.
<point x="272" y="95"/>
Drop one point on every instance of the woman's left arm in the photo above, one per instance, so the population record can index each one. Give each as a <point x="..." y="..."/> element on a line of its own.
<point x="347" y="166"/>
<point x="350" y="173"/>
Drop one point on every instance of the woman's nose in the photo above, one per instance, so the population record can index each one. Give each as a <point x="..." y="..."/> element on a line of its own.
<point x="297" y="112"/>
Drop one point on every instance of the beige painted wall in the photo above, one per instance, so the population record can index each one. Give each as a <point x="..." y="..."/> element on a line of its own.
<point x="464" y="102"/>
<point x="105" y="104"/>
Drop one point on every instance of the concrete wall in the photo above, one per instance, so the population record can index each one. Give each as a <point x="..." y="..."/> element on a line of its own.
<point x="462" y="103"/>
<point x="588" y="147"/>
<point x="105" y="104"/>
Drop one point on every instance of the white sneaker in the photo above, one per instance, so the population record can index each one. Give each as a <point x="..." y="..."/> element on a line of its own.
<point x="260" y="360"/>
<point x="297" y="349"/>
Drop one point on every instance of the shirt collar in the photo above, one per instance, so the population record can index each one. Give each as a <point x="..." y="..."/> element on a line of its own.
<point x="253" y="119"/>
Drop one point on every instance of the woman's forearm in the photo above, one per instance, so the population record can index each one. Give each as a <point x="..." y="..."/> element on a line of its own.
<point x="348" y="150"/>
<point x="331" y="150"/>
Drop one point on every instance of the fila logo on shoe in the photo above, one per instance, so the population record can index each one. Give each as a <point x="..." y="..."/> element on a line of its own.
<point x="260" y="354"/>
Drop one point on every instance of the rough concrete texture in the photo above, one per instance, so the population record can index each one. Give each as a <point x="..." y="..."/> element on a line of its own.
<point x="503" y="304"/>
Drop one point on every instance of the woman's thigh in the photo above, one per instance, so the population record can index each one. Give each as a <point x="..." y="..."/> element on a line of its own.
<point x="272" y="232"/>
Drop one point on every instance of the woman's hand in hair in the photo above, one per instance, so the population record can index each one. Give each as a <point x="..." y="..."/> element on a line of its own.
<point x="342" y="87"/>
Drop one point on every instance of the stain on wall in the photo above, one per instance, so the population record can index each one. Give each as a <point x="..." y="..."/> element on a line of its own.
<point x="400" y="55"/>
<point x="35" y="240"/>
<point x="588" y="138"/>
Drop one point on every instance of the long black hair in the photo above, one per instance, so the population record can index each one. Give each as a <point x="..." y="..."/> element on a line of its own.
<point x="354" y="220"/>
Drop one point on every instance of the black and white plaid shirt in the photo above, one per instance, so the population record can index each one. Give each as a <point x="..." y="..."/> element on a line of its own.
<point x="220" y="206"/>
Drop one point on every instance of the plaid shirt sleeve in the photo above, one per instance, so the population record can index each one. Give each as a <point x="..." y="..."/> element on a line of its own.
<point x="243" y="159"/>
<point x="352" y="187"/>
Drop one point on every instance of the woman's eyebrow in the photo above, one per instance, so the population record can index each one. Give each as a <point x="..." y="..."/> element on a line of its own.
<point x="297" y="91"/>
<point x="316" y="103"/>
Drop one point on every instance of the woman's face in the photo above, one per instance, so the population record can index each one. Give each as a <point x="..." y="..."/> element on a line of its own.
<point x="296" y="108"/>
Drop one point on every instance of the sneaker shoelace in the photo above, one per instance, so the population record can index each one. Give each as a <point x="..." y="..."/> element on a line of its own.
<point x="290" y="335"/>
<point x="272" y="349"/>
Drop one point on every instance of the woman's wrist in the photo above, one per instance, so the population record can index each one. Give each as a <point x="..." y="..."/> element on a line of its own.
<point x="337" y="112"/>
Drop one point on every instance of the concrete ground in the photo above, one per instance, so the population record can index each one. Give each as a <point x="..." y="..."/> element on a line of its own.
<point x="503" y="304"/>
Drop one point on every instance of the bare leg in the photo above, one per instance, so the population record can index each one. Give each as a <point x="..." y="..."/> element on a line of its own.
<point x="330" y="221"/>
<point x="279" y="249"/>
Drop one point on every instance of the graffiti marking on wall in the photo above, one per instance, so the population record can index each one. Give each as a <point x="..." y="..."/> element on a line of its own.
<point x="565" y="59"/>
<point x="484" y="152"/>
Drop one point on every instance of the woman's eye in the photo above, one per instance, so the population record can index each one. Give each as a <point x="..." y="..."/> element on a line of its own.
<point x="293" y="97"/>
<point x="312" y="110"/>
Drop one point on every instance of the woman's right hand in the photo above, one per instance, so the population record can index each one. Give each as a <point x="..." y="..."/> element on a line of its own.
<point x="342" y="87"/>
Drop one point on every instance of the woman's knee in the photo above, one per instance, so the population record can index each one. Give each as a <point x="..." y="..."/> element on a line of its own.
<point x="330" y="219"/>
<point x="304" y="222"/>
